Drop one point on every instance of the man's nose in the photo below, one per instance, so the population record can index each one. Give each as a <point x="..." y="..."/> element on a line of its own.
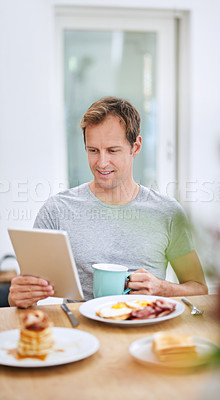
<point x="103" y="160"/>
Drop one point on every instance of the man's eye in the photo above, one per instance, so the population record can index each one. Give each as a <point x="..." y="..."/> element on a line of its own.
<point x="113" y="151"/>
<point x="92" y="150"/>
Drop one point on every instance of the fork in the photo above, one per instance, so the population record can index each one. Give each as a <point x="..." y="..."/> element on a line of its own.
<point x="195" y="310"/>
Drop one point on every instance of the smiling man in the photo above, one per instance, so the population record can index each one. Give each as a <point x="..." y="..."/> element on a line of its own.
<point x="110" y="157"/>
<point x="114" y="220"/>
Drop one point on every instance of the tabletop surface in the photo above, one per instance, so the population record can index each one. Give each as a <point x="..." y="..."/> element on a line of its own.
<point x="112" y="373"/>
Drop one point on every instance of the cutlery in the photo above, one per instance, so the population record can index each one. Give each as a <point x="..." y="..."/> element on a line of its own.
<point x="195" y="310"/>
<point x="70" y="315"/>
<point x="73" y="301"/>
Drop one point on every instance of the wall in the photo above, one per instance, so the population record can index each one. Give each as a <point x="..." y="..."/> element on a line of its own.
<point x="32" y="151"/>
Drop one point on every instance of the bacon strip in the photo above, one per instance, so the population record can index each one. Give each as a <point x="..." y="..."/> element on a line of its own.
<point x="159" y="308"/>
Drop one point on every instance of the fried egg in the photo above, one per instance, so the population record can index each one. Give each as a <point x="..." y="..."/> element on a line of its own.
<point x="119" y="305"/>
<point x="115" y="311"/>
<point x="137" y="304"/>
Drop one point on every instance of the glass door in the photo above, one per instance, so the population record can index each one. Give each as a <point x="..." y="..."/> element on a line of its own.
<point x="105" y="63"/>
<point x="132" y="58"/>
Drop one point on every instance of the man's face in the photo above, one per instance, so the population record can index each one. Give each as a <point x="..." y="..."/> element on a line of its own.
<point x="110" y="155"/>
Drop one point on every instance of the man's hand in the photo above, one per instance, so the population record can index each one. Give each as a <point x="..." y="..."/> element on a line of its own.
<point x="143" y="282"/>
<point x="28" y="290"/>
<point x="188" y="271"/>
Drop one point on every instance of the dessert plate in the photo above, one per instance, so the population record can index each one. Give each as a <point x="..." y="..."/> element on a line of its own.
<point x="70" y="345"/>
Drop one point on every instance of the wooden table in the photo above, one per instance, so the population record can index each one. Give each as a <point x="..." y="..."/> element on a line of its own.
<point x="112" y="373"/>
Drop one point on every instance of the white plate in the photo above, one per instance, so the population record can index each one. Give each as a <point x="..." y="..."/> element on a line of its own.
<point x="89" y="308"/>
<point x="70" y="345"/>
<point x="142" y="351"/>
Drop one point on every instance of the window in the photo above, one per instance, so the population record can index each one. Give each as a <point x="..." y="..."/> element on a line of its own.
<point x="125" y="53"/>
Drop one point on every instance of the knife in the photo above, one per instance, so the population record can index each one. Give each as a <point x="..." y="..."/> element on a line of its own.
<point x="70" y="315"/>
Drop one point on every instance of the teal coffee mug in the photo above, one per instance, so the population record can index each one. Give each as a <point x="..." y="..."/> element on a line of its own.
<point x="109" y="279"/>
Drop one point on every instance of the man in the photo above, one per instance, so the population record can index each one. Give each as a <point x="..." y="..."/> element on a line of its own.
<point x="114" y="220"/>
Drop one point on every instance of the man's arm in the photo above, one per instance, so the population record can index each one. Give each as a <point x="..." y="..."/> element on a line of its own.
<point x="188" y="271"/>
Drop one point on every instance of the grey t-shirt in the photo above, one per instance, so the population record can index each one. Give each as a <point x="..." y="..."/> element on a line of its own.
<point x="145" y="233"/>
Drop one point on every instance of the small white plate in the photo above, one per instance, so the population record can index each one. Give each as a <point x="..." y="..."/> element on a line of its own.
<point x="142" y="351"/>
<point x="89" y="308"/>
<point x="70" y="345"/>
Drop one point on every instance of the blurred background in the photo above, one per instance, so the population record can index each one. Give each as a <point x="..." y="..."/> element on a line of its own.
<point x="57" y="57"/>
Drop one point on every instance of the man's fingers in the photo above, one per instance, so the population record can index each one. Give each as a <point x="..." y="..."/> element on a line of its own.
<point x="31" y="289"/>
<point x="144" y="291"/>
<point x="28" y="302"/>
<point x="33" y="296"/>
<point x="139" y="276"/>
<point x="28" y="280"/>
<point x="25" y="296"/>
<point x="28" y="290"/>
<point x="27" y="299"/>
<point x="141" y="270"/>
<point x="137" y="285"/>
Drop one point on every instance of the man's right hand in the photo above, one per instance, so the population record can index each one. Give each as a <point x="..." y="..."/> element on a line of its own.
<point x="28" y="290"/>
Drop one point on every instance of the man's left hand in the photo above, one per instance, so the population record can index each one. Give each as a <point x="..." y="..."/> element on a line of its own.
<point x="143" y="282"/>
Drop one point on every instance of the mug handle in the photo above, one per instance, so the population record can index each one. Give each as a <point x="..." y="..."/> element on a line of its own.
<point x="127" y="290"/>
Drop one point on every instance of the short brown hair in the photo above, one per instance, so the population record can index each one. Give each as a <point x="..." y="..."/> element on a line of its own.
<point x="121" y="108"/>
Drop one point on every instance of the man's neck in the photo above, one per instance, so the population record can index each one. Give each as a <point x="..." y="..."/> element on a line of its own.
<point x="116" y="196"/>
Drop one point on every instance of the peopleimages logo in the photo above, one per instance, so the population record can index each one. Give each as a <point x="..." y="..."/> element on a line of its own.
<point x="96" y="213"/>
<point x="17" y="198"/>
<point x="195" y="191"/>
<point x="39" y="190"/>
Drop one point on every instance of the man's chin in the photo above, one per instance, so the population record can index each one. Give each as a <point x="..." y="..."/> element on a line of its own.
<point x="104" y="185"/>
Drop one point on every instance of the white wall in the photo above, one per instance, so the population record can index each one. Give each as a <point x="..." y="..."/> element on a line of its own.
<point x="32" y="151"/>
<point x="205" y="103"/>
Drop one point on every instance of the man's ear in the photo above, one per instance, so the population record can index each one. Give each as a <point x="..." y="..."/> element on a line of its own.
<point x="137" y="146"/>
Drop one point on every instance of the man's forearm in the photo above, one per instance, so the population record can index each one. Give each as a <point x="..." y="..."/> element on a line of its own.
<point x="143" y="282"/>
<point x="190" y="288"/>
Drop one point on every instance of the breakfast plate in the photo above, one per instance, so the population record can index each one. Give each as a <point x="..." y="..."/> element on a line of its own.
<point x="142" y="351"/>
<point x="70" y="345"/>
<point x="89" y="309"/>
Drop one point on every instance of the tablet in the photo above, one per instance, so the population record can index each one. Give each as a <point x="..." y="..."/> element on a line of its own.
<point x="47" y="254"/>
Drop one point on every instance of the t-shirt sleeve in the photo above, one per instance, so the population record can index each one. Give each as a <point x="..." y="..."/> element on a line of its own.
<point x="180" y="238"/>
<point x="47" y="216"/>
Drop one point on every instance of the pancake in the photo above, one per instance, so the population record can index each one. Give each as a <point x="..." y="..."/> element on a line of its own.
<point x="36" y="337"/>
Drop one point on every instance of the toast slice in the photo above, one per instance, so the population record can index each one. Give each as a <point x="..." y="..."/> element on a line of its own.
<point x="173" y="347"/>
